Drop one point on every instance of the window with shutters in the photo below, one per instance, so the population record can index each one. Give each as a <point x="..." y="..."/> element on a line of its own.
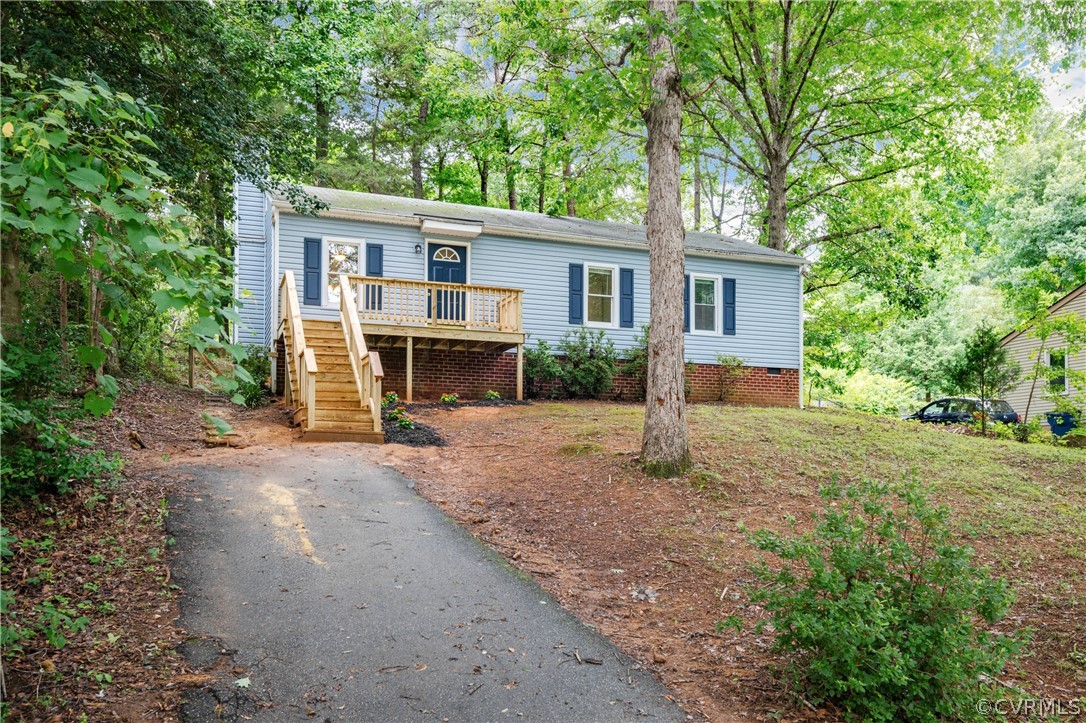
<point x="602" y="306"/>
<point x="705" y="304"/>
<point x="340" y="257"/>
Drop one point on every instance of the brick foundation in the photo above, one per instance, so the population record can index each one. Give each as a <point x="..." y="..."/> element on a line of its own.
<point x="472" y="374"/>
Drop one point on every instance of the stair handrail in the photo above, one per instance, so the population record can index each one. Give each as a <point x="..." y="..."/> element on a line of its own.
<point x="302" y="355"/>
<point x="366" y="364"/>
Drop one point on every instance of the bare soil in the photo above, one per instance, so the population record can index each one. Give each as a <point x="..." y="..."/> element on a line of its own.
<point x="654" y="564"/>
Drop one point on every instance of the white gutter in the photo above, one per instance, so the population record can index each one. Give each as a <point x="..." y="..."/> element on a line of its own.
<point x="517" y="232"/>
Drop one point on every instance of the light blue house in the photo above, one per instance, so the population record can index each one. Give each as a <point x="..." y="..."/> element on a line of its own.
<point x="447" y="295"/>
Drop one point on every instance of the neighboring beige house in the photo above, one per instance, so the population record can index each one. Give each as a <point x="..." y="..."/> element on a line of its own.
<point x="1024" y="350"/>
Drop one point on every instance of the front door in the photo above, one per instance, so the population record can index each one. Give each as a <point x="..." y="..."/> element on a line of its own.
<point x="448" y="264"/>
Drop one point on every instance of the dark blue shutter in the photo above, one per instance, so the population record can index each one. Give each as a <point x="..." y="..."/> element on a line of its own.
<point x="729" y="306"/>
<point x="311" y="275"/>
<point x="576" y="293"/>
<point x="375" y="266"/>
<point x="686" y="303"/>
<point x="625" y="298"/>
<point x="375" y="260"/>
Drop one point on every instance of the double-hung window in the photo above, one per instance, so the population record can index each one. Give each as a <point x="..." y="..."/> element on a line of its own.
<point x="705" y="295"/>
<point x="600" y="298"/>
<point x="1057" y="377"/>
<point x="341" y="257"/>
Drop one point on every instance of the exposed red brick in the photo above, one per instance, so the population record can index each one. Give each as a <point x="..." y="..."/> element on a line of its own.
<point x="472" y="374"/>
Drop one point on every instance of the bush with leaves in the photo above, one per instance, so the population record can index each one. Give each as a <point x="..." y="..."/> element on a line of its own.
<point x="540" y="368"/>
<point x="258" y="364"/>
<point x="636" y="363"/>
<point x="883" y="612"/>
<point x="588" y="365"/>
<point x="391" y="399"/>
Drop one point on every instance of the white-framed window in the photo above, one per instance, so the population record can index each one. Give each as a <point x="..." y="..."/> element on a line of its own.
<point x="1057" y="362"/>
<point x="341" y="256"/>
<point x="704" y="304"/>
<point x="601" y="295"/>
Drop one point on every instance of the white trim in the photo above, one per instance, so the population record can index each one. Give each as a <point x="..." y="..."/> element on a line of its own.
<point x="450" y="228"/>
<point x="274" y="291"/>
<point x="801" y="347"/>
<point x="345" y="240"/>
<point x="516" y="232"/>
<point x="237" y="215"/>
<point x="443" y="242"/>
<point x="718" y="306"/>
<point x="613" y="268"/>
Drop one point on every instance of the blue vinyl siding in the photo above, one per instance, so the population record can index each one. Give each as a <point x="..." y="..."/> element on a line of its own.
<point x="767" y="304"/>
<point x="254" y="272"/>
<point x="252" y="286"/>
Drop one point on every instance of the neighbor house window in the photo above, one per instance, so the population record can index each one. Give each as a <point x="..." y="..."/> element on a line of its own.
<point x="601" y="295"/>
<point x="706" y="294"/>
<point x="342" y="257"/>
<point x="1057" y="362"/>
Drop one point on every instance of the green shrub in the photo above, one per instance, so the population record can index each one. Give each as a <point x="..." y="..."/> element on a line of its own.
<point x="450" y="398"/>
<point x="391" y="399"/>
<point x="881" y="608"/>
<point x="40" y="454"/>
<point x="400" y="417"/>
<point x="258" y="364"/>
<point x="540" y="368"/>
<point x="731" y="371"/>
<point x="589" y="363"/>
<point x="492" y="395"/>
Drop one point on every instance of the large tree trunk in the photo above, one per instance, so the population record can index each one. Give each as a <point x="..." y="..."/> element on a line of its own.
<point x="664" y="447"/>
<point x="541" y="200"/>
<point x="11" y="307"/>
<point x="777" y="198"/>
<point x="416" y="151"/>
<point x="324" y="123"/>
<point x="483" y="166"/>
<point x="441" y="176"/>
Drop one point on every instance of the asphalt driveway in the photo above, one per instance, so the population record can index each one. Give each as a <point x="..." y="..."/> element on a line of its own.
<point x="319" y="586"/>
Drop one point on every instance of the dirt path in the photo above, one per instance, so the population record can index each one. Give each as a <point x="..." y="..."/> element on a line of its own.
<point x="319" y="585"/>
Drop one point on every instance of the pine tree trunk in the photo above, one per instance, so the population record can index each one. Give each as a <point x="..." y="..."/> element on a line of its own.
<point x="320" y="108"/>
<point x="416" y="152"/>
<point x="11" y="308"/>
<point x="541" y="201"/>
<point x="483" y="166"/>
<point x="664" y="447"/>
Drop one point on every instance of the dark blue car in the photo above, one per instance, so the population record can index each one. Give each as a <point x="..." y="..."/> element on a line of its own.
<point x="962" y="410"/>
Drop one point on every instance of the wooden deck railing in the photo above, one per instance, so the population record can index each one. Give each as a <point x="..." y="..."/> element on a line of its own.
<point x="305" y="361"/>
<point x="365" y="364"/>
<point x="432" y="303"/>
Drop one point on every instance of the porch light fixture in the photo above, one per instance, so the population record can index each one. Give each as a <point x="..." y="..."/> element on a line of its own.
<point x="418" y="248"/>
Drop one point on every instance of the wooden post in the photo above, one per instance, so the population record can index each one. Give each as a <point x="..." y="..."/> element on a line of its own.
<point x="520" y="372"/>
<point x="410" y="363"/>
<point x="192" y="365"/>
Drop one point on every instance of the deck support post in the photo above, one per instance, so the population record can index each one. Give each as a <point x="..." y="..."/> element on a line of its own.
<point x="410" y="363"/>
<point x="520" y="372"/>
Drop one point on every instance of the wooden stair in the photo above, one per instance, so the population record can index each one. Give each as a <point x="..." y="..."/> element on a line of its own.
<point x="340" y="414"/>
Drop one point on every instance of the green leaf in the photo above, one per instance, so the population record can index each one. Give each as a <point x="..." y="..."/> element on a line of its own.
<point x="222" y="427"/>
<point x="92" y="356"/>
<point x="206" y="326"/>
<point x="70" y="270"/>
<point x="108" y="385"/>
<point x="97" y="404"/>
<point x="164" y="300"/>
<point x="86" y="179"/>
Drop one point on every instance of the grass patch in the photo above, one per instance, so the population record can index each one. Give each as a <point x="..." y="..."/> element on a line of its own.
<point x="578" y="449"/>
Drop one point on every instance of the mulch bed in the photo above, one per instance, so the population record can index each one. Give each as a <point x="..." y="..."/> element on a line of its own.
<point x="423" y="435"/>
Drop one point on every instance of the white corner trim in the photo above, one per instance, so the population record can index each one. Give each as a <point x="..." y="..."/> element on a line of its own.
<point x="449" y="228"/>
